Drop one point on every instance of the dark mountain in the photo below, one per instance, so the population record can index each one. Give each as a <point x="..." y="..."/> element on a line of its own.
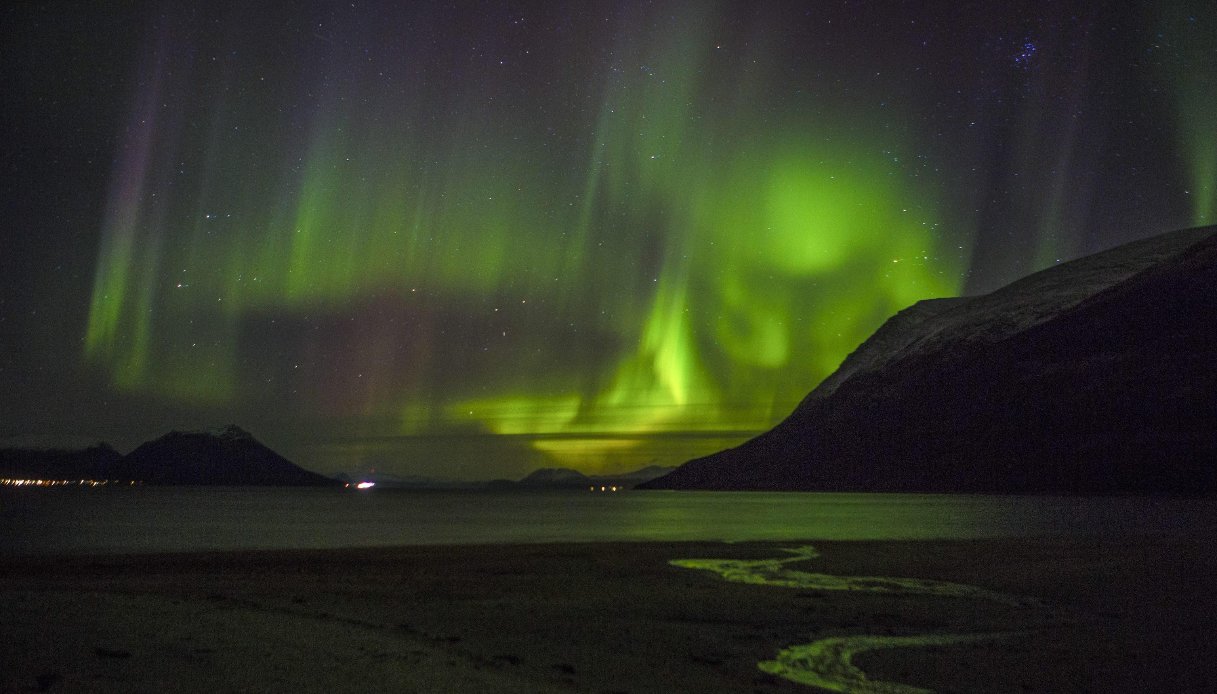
<point x="565" y="478"/>
<point x="227" y="457"/>
<point x="555" y="477"/>
<point x="92" y="463"/>
<point x="1092" y="377"/>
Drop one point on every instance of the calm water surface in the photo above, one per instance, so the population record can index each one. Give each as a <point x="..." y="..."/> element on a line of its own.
<point x="153" y="519"/>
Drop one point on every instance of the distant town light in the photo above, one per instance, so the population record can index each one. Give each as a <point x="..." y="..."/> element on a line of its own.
<point x="365" y="485"/>
<point x="17" y="482"/>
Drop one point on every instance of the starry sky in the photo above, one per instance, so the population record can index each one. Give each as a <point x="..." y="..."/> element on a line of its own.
<point x="466" y="240"/>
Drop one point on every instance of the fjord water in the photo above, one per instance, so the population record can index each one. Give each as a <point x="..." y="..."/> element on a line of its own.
<point x="172" y="519"/>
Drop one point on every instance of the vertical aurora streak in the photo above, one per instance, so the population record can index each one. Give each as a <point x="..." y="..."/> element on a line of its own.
<point x="1194" y="27"/>
<point x="119" y="313"/>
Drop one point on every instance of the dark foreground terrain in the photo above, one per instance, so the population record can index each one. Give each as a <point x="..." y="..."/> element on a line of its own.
<point x="1081" y="616"/>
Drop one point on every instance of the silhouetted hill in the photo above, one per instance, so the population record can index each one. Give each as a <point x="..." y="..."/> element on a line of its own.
<point x="1092" y="377"/>
<point x="555" y="477"/>
<point x="90" y="463"/>
<point x="566" y="478"/>
<point x="227" y="457"/>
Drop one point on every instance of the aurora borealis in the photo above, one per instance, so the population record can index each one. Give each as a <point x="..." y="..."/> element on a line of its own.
<point x="470" y="239"/>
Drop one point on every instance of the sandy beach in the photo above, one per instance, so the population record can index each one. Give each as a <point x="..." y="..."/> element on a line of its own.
<point x="950" y="616"/>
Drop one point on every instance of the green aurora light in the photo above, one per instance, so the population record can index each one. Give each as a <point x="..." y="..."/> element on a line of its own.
<point x="668" y="223"/>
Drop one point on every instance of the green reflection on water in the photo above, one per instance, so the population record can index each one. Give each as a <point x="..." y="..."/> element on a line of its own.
<point x="825" y="663"/>
<point x="771" y="572"/>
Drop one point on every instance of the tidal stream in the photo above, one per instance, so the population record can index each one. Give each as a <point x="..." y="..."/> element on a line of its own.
<point x="826" y="663"/>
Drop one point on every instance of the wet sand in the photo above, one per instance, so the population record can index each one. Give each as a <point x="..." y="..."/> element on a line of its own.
<point x="1045" y="615"/>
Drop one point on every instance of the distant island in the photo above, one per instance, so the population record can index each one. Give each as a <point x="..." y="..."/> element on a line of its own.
<point x="1092" y="377"/>
<point x="565" y="478"/>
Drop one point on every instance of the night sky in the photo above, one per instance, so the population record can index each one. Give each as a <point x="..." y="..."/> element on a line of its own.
<point x="470" y="239"/>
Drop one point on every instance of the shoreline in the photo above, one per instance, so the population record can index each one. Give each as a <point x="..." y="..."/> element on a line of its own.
<point x="1102" y="613"/>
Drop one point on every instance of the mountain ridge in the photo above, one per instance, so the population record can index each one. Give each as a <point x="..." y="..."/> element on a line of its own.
<point x="224" y="456"/>
<point x="228" y="456"/>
